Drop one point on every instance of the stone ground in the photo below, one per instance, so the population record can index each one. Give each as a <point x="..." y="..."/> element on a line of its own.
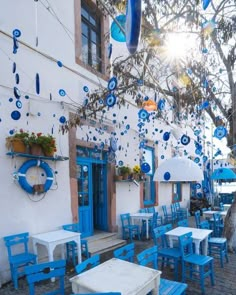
<point x="225" y="279"/>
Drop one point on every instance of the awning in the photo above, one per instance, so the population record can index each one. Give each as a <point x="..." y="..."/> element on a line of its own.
<point x="223" y="174"/>
<point x="178" y="169"/>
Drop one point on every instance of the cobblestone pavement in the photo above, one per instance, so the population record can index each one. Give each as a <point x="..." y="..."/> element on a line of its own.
<point x="225" y="279"/>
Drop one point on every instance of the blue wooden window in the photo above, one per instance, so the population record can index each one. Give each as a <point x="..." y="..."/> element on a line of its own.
<point x="149" y="191"/>
<point x="91" y="36"/>
<point x="177" y="192"/>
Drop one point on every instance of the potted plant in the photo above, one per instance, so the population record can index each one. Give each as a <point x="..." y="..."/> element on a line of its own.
<point x="42" y="144"/>
<point x="136" y="172"/>
<point x="125" y="172"/>
<point x="18" y="142"/>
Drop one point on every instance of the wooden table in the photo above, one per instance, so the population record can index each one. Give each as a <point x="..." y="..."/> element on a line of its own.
<point x="199" y="235"/>
<point x="53" y="238"/>
<point x="209" y="214"/>
<point x="140" y="217"/>
<point x="116" y="275"/>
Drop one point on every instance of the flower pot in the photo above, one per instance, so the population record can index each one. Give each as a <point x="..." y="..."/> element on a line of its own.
<point x="36" y="150"/>
<point x="49" y="153"/>
<point x="119" y="177"/>
<point x="125" y="176"/>
<point x="17" y="145"/>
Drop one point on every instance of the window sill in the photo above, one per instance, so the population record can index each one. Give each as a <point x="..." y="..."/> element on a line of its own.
<point x="55" y="158"/>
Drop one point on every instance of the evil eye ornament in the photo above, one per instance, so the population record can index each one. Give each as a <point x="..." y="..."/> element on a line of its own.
<point x="204" y="158"/>
<point x="110" y="100"/>
<point x="113" y="144"/>
<point x="15" y="115"/>
<point x="17" y="78"/>
<point x="196" y="160"/>
<point x="59" y="63"/>
<point x="100" y="101"/>
<point x="161" y="104"/>
<point x="62" y="92"/>
<point x="116" y="33"/>
<point x="198" y="186"/>
<point x="220" y="132"/>
<point x="145" y="167"/>
<point x="86" y="89"/>
<point x="120" y="163"/>
<point x="37" y="84"/>
<point x="16" y="33"/>
<point x="109" y="50"/>
<point x="143" y="114"/>
<point x="112" y="84"/>
<point x="62" y="119"/>
<point x="18" y="104"/>
<point x="185" y="140"/>
<point x="15" y="45"/>
<point x="166" y="136"/>
<point x="13" y="67"/>
<point x="17" y="92"/>
<point x="205" y="4"/>
<point x="167" y="176"/>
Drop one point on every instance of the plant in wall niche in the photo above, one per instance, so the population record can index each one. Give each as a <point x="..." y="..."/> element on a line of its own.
<point x="18" y="142"/>
<point x="124" y="171"/>
<point x="47" y="144"/>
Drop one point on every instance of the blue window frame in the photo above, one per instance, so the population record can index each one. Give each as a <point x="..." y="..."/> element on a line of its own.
<point x="177" y="192"/>
<point x="149" y="189"/>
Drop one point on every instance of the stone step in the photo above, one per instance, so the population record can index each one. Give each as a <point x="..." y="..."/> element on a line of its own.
<point x="104" y="242"/>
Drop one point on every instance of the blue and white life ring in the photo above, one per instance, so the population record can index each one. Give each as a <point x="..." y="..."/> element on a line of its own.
<point x="133" y="24"/>
<point x="34" y="163"/>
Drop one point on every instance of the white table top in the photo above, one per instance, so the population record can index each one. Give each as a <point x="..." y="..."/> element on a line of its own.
<point x="56" y="235"/>
<point x="210" y="212"/>
<point x="197" y="233"/>
<point x="141" y="215"/>
<point x="116" y="275"/>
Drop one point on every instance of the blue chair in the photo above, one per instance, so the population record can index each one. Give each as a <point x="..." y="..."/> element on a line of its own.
<point x="218" y="225"/>
<point x="125" y="253"/>
<point x="148" y="256"/>
<point x="197" y="216"/>
<point x="183" y="222"/>
<point x="88" y="264"/>
<point x="44" y="271"/>
<point x="169" y="256"/>
<point x="221" y="206"/>
<point x="71" y="247"/>
<point x="18" y="260"/>
<point x="154" y="222"/>
<point x="128" y="230"/>
<point x="217" y="247"/>
<point x="167" y="287"/>
<point x="195" y="266"/>
<point x="182" y="213"/>
<point x="166" y="216"/>
<point x="174" y="213"/>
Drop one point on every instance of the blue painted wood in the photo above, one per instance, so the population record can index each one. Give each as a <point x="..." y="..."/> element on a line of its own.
<point x="45" y="271"/>
<point x="148" y="256"/>
<point x="88" y="264"/>
<point x="18" y="260"/>
<point x="55" y="158"/>
<point x="128" y="230"/>
<point x="125" y="253"/>
<point x="168" y="287"/>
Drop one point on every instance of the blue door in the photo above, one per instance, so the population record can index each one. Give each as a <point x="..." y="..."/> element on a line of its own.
<point x="92" y="190"/>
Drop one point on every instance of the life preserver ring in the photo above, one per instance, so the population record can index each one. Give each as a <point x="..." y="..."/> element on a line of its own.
<point x="133" y="24"/>
<point x="34" y="163"/>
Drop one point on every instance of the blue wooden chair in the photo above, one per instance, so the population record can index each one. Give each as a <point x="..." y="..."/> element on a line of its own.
<point x="18" y="260"/>
<point x="167" y="217"/>
<point x="44" y="271"/>
<point x="88" y="264"/>
<point x="125" y="253"/>
<point x="218" y="225"/>
<point x="71" y="247"/>
<point x="195" y="266"/>
<point x="221" y="206"/>
<point x="169" y="256"/>
<point x="174" y="213"/>
<point x="216" y="246"/>
<point x="167" y="287"/>
<point x="129" y="230"/>
<point x="183" y="222"/>
<point x="197" y="216"/>
<point x="182" y="213"/>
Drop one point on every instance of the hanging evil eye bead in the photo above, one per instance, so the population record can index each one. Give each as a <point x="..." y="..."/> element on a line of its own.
<point x="18" y="104"/>
<point x="15" y="115"/>
<point x="86" y="89"/>
<point x="110" y="100"/>
<point x="62" y="119"/>
<point x="13" y="67"/>
<point x="15" y="45"/>
<point x="145" y="167"/>
<point x="37" y="83"/>
<point x="196" y="160"/>
<point x="143" y="114"/>
<point x="185" y="140"/>
<point x="17" y="93"/>
<point x="198" y="185"/>
<point x="220" y="132"/>
<point x="62" y="92"/>
<point x="109" y="50"/>
<point x="113" y="144"/>
<point x="166" y="136"/>
<point x="120" y="163"/>
<point x="17" y="78"/>
<point x="112" y="84"/>
<point x="16" y="33"/>
<point x="161" y="104"/>
<point x="100" y="101"/>
<point x="167" y="176"/>
<point x="59" y="63"/>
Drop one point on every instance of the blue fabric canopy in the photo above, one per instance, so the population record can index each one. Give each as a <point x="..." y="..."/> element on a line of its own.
<point x="223" y="173"/>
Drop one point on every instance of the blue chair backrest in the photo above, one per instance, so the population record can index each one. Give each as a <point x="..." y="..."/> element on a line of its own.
<point x="205" y="224"/>
<point x="44" y="271"/>
<point x="155" y="220"/>
<point x="164" y="210"/>
<point x="143" y="210"/>
<point x="151" y="210"/>
<point x="221" y="206"/>
<point x="88" y="264"/>
<point x="159" y="237"/>
<point x="125" y="253"/>
<point x="183" y="222"/>
<point x="186" y="244"/>
<point x="125" y="219"/>
<point x="197" y="216"/>
<point x="17" y="239"/>
<point x="177" y="205"/>
<point x="148" y="256"/>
